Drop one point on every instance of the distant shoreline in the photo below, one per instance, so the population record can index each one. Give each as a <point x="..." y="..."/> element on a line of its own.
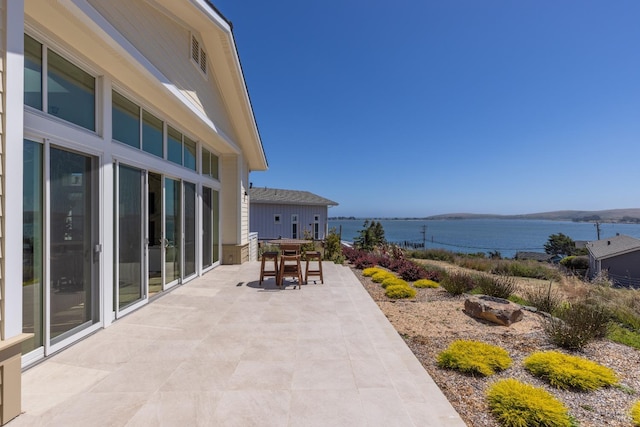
<point x="620" y="216"/>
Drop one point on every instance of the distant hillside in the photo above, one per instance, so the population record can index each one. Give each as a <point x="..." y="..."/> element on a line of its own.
<point x="612" y="215"/>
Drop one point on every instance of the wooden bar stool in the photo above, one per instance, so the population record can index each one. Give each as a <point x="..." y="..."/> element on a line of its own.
<point x="269" y="256"/>
<point x="290" y="267"/>
<point x="313" y="256"/>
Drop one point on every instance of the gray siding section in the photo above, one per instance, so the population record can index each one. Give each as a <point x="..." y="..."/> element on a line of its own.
<point x="623" y="268"/>
<point x="262" y="220"/>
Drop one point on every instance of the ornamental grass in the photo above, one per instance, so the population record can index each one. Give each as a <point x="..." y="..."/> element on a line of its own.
<point x="368" y="272"/>
<point x="516" y="404"/>
<point x="635" y="414"/>
<point x="381" y="275"/>
<point x="393" y="281"/>
<point x="400" y="291"/>
<point x="425" y="283"/>
<point x="569" y="372"/>
<point x="474" y="357"/>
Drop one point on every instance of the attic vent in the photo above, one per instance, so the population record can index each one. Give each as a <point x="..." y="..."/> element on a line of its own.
<point x="198" y="55"/>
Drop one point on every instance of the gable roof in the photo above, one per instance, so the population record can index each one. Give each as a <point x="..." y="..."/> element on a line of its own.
<point x="613" y="246"/>
<point x="287" y="197"/>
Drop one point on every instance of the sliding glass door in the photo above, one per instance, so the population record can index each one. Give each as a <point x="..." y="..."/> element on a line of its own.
<point x="130" y="235"/>
<point x="73" y="244"/>
<point x="190" y="257"/>
<point x="173" y="231"/>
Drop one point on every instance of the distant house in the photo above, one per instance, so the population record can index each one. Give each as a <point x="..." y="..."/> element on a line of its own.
<point x="537" y="256"/>
<point x="619" y="257"/>
<point x="276" y="213"/>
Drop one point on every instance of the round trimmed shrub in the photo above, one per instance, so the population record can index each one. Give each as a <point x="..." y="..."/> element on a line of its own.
<point x="381" y="275"/>
<point x="474" y="357"/>
<point x="400" y="291"/>
<point x="635" y="414"/>
<point x="425" y="283"/>
<point x="368" y="272"/>
<point x="569" y="372"/>
<point x="392" y="281"/>
<point x="516" y="404"/>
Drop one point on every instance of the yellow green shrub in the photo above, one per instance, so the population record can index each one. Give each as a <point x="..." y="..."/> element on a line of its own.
<point x="392" y="281"/>
<point x="368" y="272"/>
<point x="381" y="275"/>
<point x="474" y="357"/>
<point x="635" y="414"/>
<point x="400" y="291"/>
<point x="516" y="404"/>
<point x="569" y="372"/>
<point x="425" y="283"/>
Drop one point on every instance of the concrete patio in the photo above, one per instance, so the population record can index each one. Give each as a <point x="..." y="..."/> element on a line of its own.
<point x="222" y="351"/>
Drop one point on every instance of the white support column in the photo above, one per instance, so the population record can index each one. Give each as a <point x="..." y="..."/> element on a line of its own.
<point x="13" y="145"/>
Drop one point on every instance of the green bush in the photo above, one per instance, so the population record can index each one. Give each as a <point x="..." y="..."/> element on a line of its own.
<point x="457" y="283"/>
<point x="425" y="283"/>
<point x="394" y="281"/>
<point x="577" y="324"/>
<point x="544" y="298"/>
<point x="474" y="357"/>
<point x="516" y="404"/>
<point x="569" y="372"/>
<point x="381" y="275"/>
<point x="635" y="414"/>
<point x="434" y="254"/>
<point x="400" y="291"/>
<point x="499" y="287"/>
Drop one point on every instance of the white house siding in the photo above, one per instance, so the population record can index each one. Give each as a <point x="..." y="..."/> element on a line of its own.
<point x="3" y="54"/>
<point x="262" y="220"/>
<point x="166" y="43"/>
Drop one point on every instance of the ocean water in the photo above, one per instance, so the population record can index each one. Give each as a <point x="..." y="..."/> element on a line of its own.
<point x="506" y="236"/>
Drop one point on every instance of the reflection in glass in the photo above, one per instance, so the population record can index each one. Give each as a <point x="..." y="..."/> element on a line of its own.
<point x="216" y="226"/>
<point x="32" y="73"/>
<point x="189" y="229"/>
<point x="126" y="120"/>
<point x="173" y="228"/>
<point x="156" y="242"/>
<point x="206" y="162"/>
<point x="207" y="227"/>
<point x="130" y="236"/>
<point x="72" y="295"/>
<point x="189" y="153"/>
<point x="151" y="134"/>
<point x="32" y="271"/>
<point x="174" y="145"/>
<point x="70" y="92"/>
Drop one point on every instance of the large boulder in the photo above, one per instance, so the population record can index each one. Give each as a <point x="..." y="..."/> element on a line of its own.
<point x="492" y="309"/>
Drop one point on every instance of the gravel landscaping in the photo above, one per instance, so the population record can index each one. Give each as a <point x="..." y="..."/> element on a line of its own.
<point x="433" y="319"/>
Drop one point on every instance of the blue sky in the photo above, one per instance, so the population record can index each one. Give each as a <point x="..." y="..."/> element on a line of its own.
<point x="417" y="107"/>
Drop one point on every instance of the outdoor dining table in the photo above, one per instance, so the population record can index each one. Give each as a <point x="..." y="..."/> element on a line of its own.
<point x="286" y="244"/>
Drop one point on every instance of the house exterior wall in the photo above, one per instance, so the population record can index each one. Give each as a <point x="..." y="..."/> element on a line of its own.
<point x="623" y="266"/>
<point x="263" y="214"/>
<point x="135" y="61"/>
<point x="169" y="50"/>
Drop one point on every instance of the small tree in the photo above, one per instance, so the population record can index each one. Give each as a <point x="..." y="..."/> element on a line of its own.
<point x="371" y="235"/>
<point x="560" y="244"/>
<point x="332" y="248"/>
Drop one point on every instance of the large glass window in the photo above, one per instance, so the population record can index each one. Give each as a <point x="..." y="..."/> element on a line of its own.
<point x="32" y="241"/>
<point x="125" y="120"/>
<point x="174" y="146"/>
<point x="70" y="92"/>
<point x="189" y="229"/>
<point x="216" y="226"/>
<point x="151" y="134"/>
<point x="32" y="73"/>
<point x="209" y="164"/>
<point x="207" y="226"/>
<point x="189" y="153"/>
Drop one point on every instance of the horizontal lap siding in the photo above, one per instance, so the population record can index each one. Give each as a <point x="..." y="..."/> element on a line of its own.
<point x="262" y="219"/>
<point x="3" y="52"/>
<point x="166" y="44"/>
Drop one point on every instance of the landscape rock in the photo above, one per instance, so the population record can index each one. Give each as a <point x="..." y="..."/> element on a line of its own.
<point x="492" y="309"/>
